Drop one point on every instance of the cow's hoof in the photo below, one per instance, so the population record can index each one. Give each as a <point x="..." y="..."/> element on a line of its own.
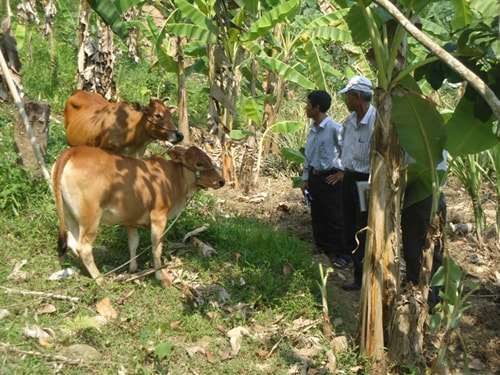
<point x="100" y="281"/>
<point x="165" y="280"/>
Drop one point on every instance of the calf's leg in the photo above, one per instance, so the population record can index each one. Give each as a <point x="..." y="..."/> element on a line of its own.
<point x="158" y="223"/>
<point x="133" y="243"/>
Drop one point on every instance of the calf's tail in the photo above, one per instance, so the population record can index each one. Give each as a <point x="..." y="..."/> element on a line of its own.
<point x="57" y="171"/>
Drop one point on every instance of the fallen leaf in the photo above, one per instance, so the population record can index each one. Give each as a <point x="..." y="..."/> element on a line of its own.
<point x="63" y="274"/>
<point x="258" y="198"/>
<point x="332" y="361"/>
<point x="16" y="273"/>
<point x="4" y="313"/>
<point x="339" y="344"/>
<point x="104" y="308"/>
<point x="45" y="343"/>
<point x="212" y="314"/>
<point x="263" y="353"/>
<point x="226" y="354"/>
<point x="236" y="336"/>
<point x="305" y="354"/>
<point x="46" y="309"/>
<point x="476" y="365"/>
<point x="192" y="350"/>
<point x="176" y="324"/>
<point x="210" y="356"/>
<point x="35" y="331"/>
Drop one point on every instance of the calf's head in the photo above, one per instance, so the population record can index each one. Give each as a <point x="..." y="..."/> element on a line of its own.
<point x="159" y="123"/>
<point x="198" y="162"/>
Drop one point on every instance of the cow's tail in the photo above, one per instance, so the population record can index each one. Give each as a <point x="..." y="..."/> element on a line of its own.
<point x="57" y="171"/>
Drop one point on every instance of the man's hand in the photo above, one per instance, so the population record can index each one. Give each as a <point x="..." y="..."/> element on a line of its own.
<point x="332" y="179"/>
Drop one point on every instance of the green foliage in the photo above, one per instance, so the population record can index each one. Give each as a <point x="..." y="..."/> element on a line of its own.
<point x="81" y="323"/>
<point x="163" y="350"/>
<point x="43" y="81"/>
<point x="411" y="113"/>
<point x="454" y="294"/>
<point x="472" y="170"/>
<point x="18" y="185"/>
<point x="112" y="11"/>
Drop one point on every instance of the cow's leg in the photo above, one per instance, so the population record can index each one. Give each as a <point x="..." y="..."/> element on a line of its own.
<point x="158" y="223"/>
<point x="88" y="233"/>
<point x="133" y="243"/>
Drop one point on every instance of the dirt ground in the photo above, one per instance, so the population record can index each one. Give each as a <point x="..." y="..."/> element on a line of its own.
<point x="275" y="202"/>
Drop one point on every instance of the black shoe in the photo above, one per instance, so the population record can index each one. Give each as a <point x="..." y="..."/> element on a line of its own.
<point x="351" y="286"/>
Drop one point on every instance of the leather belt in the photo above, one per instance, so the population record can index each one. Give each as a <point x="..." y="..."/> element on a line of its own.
<point x="315" y="172"/>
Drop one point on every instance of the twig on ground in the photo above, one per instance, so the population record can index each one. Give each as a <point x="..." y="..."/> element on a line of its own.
<point x="42" y="294"/>
<point x="274" y="347"/>
<point x="145" y="273"/>
<point x="59" y="358"/>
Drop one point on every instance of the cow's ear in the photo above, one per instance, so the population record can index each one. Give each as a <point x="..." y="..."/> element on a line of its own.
<point x="172" y="108"/>
<point x="137" y="106"/>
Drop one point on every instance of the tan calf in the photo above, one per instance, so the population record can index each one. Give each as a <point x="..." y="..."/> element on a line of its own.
<point x="121" y="127"/>
<point x="93" y="186"/>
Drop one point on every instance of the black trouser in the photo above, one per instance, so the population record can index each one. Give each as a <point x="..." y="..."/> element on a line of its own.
<point x="414" y="225"/>
<point x="326" y="214"/>
<point x="354" y="220"/>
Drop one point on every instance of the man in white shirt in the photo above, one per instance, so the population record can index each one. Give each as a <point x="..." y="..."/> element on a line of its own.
<point x="357" y="133"/>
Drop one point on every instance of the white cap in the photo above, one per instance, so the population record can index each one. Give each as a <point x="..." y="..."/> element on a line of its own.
<point x="359" y="83"/>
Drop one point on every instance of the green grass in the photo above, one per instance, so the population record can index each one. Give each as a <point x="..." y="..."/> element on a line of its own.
<point x="172" y="330"/>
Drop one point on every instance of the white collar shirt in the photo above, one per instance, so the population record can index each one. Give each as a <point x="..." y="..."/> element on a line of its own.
<point x="356" y="141"/>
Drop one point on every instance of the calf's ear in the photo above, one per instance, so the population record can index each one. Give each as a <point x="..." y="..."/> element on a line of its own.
<point x="175" y="154"/>
<point x="172" y="108"/>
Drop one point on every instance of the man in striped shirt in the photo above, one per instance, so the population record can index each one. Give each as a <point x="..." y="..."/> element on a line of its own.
<point x="357" y="135"/>
<point x="322" y="175"/>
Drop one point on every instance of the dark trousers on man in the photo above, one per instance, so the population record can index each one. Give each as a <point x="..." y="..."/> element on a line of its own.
<point x="326" y="214"/>
<point x="354" y="220"/>
<point x="414" y="225"/>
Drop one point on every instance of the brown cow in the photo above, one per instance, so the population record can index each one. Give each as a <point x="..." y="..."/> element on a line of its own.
<point x="121" y="127"/>
<point x="92" y="185"/>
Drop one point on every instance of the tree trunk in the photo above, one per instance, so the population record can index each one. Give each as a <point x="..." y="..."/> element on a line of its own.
<point x="96" y="57"/>
<point x="380" y="271"/>
<point x="38" y="114"/>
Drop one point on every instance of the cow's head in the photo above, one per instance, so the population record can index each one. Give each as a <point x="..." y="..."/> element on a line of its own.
<point x="159" y="123"/>
<point x="198" y="162"/>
